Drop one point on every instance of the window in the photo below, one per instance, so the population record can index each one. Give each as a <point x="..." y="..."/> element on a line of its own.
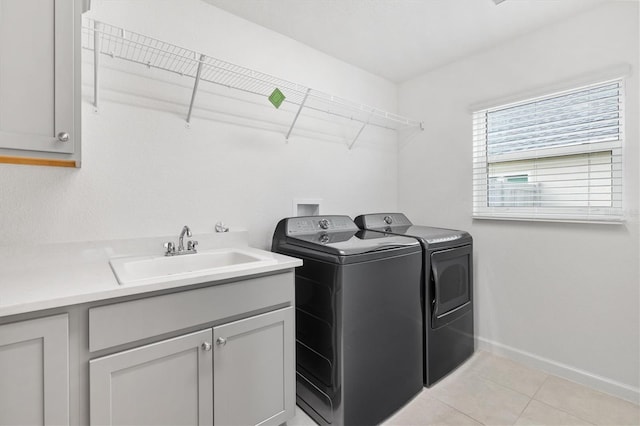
<point x="557" y="157"/>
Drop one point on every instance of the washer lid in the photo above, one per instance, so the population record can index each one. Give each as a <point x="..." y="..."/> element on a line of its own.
<point x="338" y="235"/>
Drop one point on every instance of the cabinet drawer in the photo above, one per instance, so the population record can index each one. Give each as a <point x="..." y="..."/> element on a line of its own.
<point x="127" y="322"/>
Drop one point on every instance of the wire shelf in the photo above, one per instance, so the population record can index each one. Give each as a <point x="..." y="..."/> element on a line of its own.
<point x="106" y="39"/>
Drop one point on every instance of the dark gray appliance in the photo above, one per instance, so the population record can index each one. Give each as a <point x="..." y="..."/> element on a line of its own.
<point x="447" y="293"/>
<point x="358" y="319"/>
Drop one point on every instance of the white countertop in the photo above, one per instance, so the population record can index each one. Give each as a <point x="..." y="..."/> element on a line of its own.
<point x="48" y="276"/>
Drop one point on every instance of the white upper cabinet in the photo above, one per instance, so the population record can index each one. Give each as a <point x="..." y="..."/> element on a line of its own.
<point x="39" y="79"/>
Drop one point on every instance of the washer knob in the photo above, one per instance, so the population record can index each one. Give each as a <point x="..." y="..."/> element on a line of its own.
<point x="324" y="223"/>
<point x="388" y="220"/>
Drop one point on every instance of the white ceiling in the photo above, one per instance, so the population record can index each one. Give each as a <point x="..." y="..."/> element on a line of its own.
<point x="400" y="39"/>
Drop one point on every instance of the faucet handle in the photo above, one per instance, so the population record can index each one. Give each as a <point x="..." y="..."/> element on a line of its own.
<point x="171" y="248"/>
<point x="221" y="228"/>
<point x="191" y="245"/>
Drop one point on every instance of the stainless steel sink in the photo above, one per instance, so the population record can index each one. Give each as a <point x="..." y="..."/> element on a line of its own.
<point x="205" y="264"/>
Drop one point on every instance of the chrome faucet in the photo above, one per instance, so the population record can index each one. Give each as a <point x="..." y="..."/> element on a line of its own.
<point x="185" y="230"/>
<point x="191" y="245"/>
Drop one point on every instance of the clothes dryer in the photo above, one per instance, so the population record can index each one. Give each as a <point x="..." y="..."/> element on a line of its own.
<point x="447" y="290"/>
<point x="358" y="319"/>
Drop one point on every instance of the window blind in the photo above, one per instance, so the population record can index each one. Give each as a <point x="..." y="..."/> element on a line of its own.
<point x="556" y="157"/>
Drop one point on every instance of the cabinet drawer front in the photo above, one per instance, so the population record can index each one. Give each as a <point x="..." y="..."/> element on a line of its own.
<point x="127" y="322"/>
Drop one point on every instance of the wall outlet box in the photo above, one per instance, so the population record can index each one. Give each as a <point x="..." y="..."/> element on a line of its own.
<point x="306" y="207"/>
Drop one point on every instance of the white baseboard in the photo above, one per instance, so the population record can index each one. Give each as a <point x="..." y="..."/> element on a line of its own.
<point x="586" y="378"/>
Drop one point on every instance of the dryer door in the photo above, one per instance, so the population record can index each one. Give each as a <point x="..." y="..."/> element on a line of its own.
<point x="451" y="272"/>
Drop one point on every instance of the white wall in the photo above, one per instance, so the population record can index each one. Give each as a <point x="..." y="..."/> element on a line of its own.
<point x="144" y="173"/>
<point x="560" y="296"/>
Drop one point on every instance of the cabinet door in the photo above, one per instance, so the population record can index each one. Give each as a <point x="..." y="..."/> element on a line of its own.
<point x="37" y="74"/>
<point x="254" y="370"/>
<point x="34" y="372"/>
<point x="165" y="383"/>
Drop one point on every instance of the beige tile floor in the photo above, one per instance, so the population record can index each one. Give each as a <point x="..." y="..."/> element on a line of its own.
<point x="490" y="390"/>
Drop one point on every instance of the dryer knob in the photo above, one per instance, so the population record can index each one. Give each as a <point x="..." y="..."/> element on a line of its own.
<point x="388" y="220"/>
<point x="324" y="223"/>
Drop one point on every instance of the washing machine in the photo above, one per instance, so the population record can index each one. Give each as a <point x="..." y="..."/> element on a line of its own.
<point x="358" y="320"/>
<point x="447" y="290"/>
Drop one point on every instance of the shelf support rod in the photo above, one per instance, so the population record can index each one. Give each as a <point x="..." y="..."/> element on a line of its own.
<point x="306" y="95"/>
<point x="365" y="124"/>
<point x="96" y="61"/>
<point x="195" y="87"/>
<point x="353" y="142"/>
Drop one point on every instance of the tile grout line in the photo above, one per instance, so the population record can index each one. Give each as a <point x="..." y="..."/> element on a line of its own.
<point x="478" y="372"/>
<point x="564" y="411"/>
<point x="478" y="375"/>
<point x="541" y="386"/>
<point x="523" y="410"/>
<point x="458" y="411"/>
<point x="509" y="387"/>
<point x="533" y="398"/>
<point x="481" y="374"/>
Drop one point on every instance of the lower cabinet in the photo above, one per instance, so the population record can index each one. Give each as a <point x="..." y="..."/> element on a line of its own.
<point x="254" y="370"/>
<point x="34" y="372"/>
<point x="66" y="366"/>
<point x="240" y="373"/>
<point x="166" y="383"/>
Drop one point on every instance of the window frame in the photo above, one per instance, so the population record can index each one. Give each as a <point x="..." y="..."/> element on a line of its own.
<point x="481" y="160"/>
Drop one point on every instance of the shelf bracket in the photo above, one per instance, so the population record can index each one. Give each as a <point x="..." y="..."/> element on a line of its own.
<point x="365" y="124"/>
<point x="353" y="142"/>
<point x="96" y="62"/>
<point x="306" y="95"/>
<point x="195" y="88"/>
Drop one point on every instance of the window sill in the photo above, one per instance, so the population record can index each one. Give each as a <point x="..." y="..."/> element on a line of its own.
<point x="607" y="221"/>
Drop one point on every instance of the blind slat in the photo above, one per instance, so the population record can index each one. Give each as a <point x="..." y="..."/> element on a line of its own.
<point x="572" y="98"/>
<point x="534" y="112"/>
<point x="568" y="127"/>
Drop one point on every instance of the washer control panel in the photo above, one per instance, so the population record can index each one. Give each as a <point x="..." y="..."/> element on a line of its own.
<point x="314" y="224"/>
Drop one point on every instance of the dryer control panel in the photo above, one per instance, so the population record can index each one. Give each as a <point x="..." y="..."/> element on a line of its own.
<point x="382" y="220"/>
